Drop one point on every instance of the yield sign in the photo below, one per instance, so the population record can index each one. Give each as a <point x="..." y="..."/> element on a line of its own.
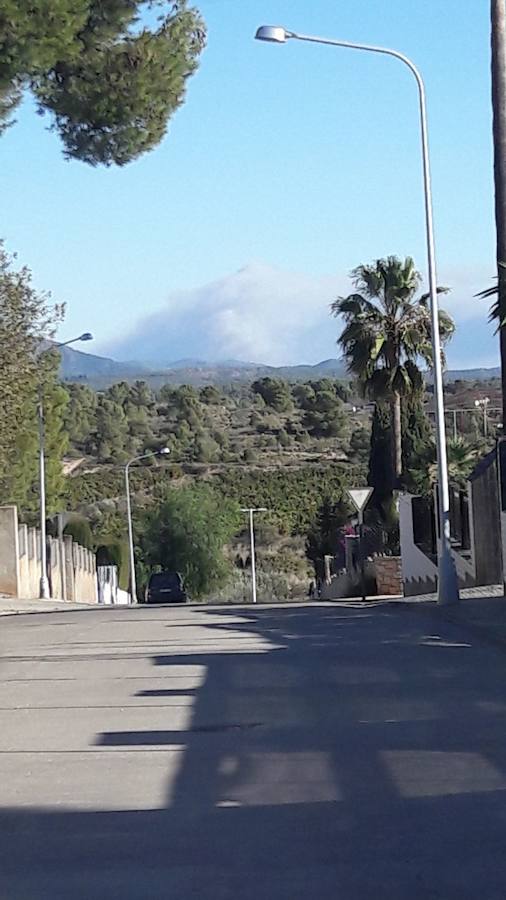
<point x="359" y="497"/>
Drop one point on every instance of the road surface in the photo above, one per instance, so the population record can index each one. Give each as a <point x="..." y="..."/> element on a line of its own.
<point x="336" y="752"/>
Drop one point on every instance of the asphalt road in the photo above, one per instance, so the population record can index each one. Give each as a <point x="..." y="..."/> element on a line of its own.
<point x="335" y="752"/>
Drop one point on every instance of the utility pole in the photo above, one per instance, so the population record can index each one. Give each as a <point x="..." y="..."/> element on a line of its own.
<point x="251" y="511"/>
<point x="498" y="66"/>
<point x="44" y="592"/>
<point x="498" y="23"/>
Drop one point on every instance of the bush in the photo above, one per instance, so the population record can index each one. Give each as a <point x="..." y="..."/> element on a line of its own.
<point x="80" y="531"/>
<point x="113" y="552"/>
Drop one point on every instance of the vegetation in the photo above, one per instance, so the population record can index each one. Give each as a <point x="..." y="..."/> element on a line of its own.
<point x="109" y="82"/>
<point x="27" y="376"/>
<point x="291" y="448"/>
<point x="387" y="333"/>
<point x="187" y="533"/>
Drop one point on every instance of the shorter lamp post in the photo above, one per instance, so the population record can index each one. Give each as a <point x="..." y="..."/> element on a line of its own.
<point x="44" y="583"/>
<point x="251" y="511"/>
<point x="164" y="451"/>
<point x="484" y="404"/>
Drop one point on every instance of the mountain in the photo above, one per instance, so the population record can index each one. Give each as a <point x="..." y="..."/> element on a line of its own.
<point x="472" y="374"/>
<point x="87" y="367"/>
<point x="100" y="372"/>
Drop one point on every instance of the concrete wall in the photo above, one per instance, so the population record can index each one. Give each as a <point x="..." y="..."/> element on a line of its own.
<point x="71" y="569"/>
<point x="419" y="573"/>
<point x="9" y="551"/>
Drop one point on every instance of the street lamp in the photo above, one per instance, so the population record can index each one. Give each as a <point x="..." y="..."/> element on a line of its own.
<point x="164" y="451"/>
<point x="44" y="583"/>
<point x="251" y="511"/>
<point x="484" y="403"/>
<point x="448" y="590"/>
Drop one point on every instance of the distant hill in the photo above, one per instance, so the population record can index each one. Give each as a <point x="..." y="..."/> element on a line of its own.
<point x="472" y="374"/>
<point x="100" y="372"/>
<point x="79" y="366"/>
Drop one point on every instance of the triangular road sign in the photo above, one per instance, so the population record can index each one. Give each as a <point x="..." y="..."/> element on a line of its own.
<point x="359" y="497"/>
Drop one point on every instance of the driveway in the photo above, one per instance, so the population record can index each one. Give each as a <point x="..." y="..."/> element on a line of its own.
<point x="334" y="752"/>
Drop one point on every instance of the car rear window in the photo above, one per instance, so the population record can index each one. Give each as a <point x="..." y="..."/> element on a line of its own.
<point x="164" y="579"/>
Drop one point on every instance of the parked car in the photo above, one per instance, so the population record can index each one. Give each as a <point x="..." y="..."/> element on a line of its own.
<point x="165" y="587"/>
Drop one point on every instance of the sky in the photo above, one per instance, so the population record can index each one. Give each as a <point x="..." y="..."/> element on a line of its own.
<point x="287" y="167"/>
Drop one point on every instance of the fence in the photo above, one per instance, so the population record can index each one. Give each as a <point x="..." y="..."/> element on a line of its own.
<point x="71" y="569"/>
<point x="109" y="592"/>
<point x="475" y="516"/>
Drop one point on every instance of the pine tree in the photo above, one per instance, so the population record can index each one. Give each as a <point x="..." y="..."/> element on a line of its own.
<point x="109" y="82"/>
<point x="112" y="431"/>
<point x="80" y="417"/>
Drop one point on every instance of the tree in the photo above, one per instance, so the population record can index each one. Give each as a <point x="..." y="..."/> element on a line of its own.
<point x="118" y="392"/>
<point x="323" y="409"/>
<point x="381" y="474"/>
<point x="112" y="431"/>
<point x="205" y="449"/>
<point x="79" y="530"/>
<point x="417" y="433"/>
<point x="141" y="395"/>
<point x="462" y="457"/>
<point x="187" y="533"/>
<point x="324" y="536"/>
<point x="26" y="318"/>
<point x="387" y="332"/>
<point x="211" y="395"/>
<point x="360" y="441"/>
<point x="275" y="392"/>
<point x="109" y="82"/>
<point x="80" y="420"/>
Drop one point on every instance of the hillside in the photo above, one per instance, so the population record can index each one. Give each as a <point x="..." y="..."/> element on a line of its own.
<point x="101" y="372"/>
<point x="290" y="448"/>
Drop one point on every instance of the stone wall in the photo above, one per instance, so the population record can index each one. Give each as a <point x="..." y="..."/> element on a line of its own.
<point x="388" y="571"/>
<point x="71" y="569"/>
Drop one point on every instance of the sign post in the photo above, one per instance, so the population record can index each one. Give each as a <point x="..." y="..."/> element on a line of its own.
<point x="360" y="497"/>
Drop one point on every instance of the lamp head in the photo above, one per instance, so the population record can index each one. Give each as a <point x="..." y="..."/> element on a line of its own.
<point x="274" y="34"/>
<point x="85" y="337"/>
<point x="163" y="451"/>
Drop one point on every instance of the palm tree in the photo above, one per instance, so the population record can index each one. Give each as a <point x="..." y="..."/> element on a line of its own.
<point x="462" y="458"/>
<point x="493" y="291"/>
<point x="387" y="333"/>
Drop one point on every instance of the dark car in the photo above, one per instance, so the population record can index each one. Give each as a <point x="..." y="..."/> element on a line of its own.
<point x="165" y="587"/>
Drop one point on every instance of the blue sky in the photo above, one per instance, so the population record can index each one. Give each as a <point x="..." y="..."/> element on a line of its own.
<point x="288" y="166"/>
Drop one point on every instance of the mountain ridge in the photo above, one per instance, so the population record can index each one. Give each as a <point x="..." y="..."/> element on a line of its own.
<point x="101" y="371"/>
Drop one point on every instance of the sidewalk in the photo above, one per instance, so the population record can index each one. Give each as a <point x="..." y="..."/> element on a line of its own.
<point x="12" y="606"/>
<point x="482" y="609"/>
<point x="484" y="612"/>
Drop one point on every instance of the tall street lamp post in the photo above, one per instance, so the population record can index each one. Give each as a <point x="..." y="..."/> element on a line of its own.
<point x="164" y="451"/>
<point x="44" y="582"/>
<point x="251" y="512"/>
<point x="448" y="591"/>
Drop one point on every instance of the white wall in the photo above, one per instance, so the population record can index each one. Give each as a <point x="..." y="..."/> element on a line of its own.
<point x="69" y="565"/>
